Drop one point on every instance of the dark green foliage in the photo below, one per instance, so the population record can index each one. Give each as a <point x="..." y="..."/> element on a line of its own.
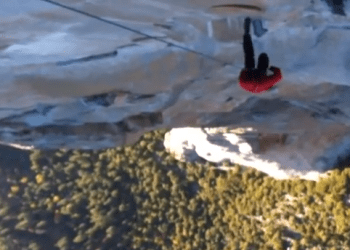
<point x="141" y="197"/>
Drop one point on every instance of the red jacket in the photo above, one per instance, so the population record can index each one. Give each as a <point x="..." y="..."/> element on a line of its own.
<point x="255" y="82"/>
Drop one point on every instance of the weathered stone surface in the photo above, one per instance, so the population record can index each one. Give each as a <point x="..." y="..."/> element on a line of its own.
<point x="225" y="29"/>
<point x="73" y="81"/>
<point x="283" y="156"/>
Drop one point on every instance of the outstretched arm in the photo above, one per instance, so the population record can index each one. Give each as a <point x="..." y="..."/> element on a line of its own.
<point x="270" y="81"/>
<point x="277" y="75"/>
<point x="276" y="72"/>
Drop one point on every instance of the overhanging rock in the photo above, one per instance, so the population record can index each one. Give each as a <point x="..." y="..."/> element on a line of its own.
<point x="63" y="85"/>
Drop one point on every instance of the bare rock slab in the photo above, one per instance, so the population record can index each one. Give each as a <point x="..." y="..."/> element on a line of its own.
<point x="282" y="156"/>
<point x="72" y="81"/>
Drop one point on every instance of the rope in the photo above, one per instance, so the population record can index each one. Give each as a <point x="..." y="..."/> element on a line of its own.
<point x="138" y="32"/>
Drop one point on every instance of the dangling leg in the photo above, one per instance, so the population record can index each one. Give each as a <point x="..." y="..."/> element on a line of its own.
<point x="247" y="22"/>
<point x="248" y="46"/>
<point x="263" y="62"/>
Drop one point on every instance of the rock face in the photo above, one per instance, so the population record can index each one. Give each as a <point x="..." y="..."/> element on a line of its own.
<point x="74" y="81"/>
<point x="283" y="156"/>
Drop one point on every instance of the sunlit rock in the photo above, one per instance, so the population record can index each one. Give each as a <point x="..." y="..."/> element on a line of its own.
<point x="282" y="156"/>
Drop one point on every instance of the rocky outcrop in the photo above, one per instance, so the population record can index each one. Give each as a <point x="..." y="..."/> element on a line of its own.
<point x="281" y="156"/>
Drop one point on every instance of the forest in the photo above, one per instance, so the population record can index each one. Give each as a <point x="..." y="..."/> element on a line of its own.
<point x="139" y="197"/>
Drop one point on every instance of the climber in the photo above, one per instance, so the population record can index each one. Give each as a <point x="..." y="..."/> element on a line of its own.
<point x="256" y="80"/>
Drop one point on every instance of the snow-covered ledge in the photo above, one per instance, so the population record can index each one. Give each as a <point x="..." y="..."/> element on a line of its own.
<point x="281" y="156"/>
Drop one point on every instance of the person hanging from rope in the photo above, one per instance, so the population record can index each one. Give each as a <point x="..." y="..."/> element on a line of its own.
<point x="256" y="80"/>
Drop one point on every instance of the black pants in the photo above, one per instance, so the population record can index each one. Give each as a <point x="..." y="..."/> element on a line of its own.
<point x="263" y="60"/>
<point x="248" y="52"/>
